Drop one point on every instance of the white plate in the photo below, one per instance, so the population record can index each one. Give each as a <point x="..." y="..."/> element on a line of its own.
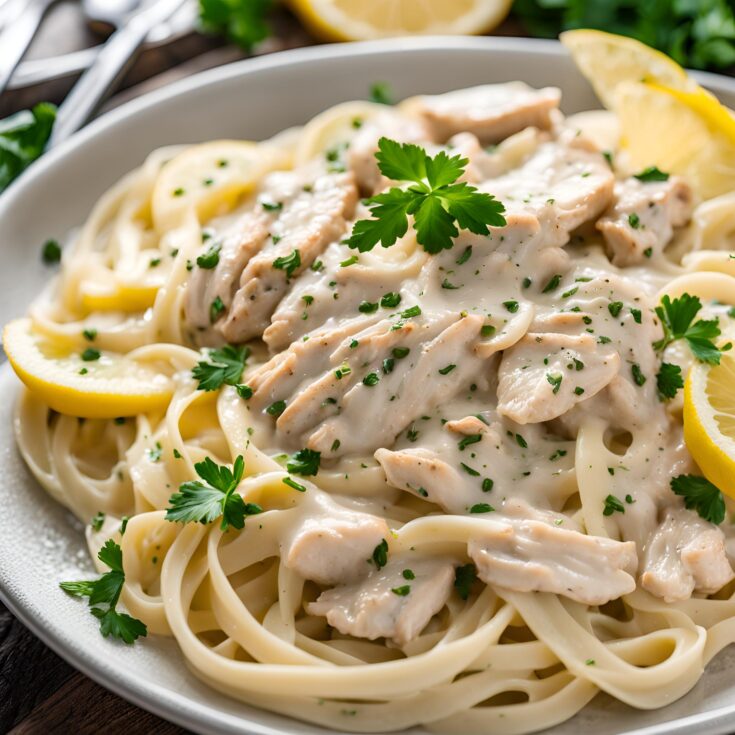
<point x="40" y="544"/>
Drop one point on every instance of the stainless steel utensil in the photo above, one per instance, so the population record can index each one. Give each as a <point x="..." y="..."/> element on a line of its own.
<point x="37" y="71"/>
<point x="17" y="35"/>
<point x="106" y="15"/>
<point x="108" y="68"/>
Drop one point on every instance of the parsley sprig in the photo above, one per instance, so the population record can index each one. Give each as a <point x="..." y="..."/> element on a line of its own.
<point x="438" y="204"/>
<point x="206" y="501"/>
<point x="701" y="495"/>
<point x="223" y="366"/>
<point x="677" y="320"/>
<point x="104" y="593"/>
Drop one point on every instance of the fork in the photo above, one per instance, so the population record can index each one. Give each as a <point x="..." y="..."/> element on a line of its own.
<point x="109" y="67"/>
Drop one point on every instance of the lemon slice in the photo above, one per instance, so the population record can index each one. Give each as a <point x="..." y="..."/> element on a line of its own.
<point x="334" y="127"/>
<point x="608" y="60"/>
<point x="690" y="134"/>
<point x="210" y="179"/>
<point x="116" y="297"/>
<point x="358" y="20"/>
<point x="110" y="386"/>
<point x="709" y="420"/>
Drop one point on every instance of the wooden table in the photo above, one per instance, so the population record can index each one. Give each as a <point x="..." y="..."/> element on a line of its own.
<point x="39" y="692"/>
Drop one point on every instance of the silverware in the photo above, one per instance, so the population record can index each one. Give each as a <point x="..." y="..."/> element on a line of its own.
<point x="106" y="15"/>
<point x="111" y="63"/>
<point x="37" y="71"/>
<point x="17" y="35"/>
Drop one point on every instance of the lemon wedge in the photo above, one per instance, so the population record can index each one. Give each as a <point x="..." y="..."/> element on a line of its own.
<point x="608" y="60"/>
<point x="690" y="134"/>
<point x="357" y="20"/>
<point x="709" y="420"/>
<point x="107" y="386"/>
<point x="210" y="178"/>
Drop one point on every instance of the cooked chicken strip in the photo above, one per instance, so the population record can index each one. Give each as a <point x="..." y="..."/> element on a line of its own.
<point x="491" y="112"/>
<point x="334" y="544"/>
<point x="395" y="602"/>
<point x="544" y="375"/>
<point x="532" y="556"/>
<point x="642" y="219"/>
<point x="685" y="554"/>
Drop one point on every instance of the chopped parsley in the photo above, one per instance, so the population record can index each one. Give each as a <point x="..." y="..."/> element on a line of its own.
<point x="215" y="309"/>
<point x="276" y="408"/>
<point x="554" y="381"/>
<point x="487" y="485"/>
<point x="552" y="284"/>
<point x="349" y="261"/>
<point x="464" y="577"/>
<point x="612" y="505"/>
<point x="305" y="462"/>
<point x="367" y="307"/>
<point x="446" y="370"/>
<point x="293" y="484"/>
<point x="651" y="173"/>
<point x="408" y="574"/>
<point x="210" y="259"/>
<point x="638" y="377"/>
<point x="468" y="440"/>
<point x="615" y="307"/>
<point x="371" y="379"/>
<point x="91" y="354"/>
<point x="97" y="521"/>
<point x="380" y="554"/>
<point x="381" y="94"/>
<point x="90" y="335"/>
<point x="482" y="508"/>
<point x="511" y="306"/>
<point x="634" y="220"/>
<point x="288" y="263"/>
<point x="51" y="251"/>
<point x="439" y="205"/>
<point x="390" y="300"/>
<point x="400" y="352"/>
<point x="401" y="591"/>
<point x="469" y="470"/>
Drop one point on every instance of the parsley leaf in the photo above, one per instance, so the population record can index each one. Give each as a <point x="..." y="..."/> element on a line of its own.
<point x="652" y="173"/>
<point x="23" y="137"/>
<point x="288" y="263"/>
<point x="701" y="495"/>
<point x="669" y="380"/>
<point x="242" y="21"/>
<point x="106" y="591"/>
<point x="305" y="462"/>
<point x="464" y="577"/>
<point x="676" y="319"/>
<point x="380" y="554"/>
<point x="439" y="205"/>
<point x="197" y="501"/>
<point x="224" y="366"/>
<point x="380" y="93"/>
<point x="612" y="505"/>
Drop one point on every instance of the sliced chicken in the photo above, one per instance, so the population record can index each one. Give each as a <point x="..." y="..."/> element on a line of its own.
<point x="544" y="375"/>
<point x="309" y="221"/>
<point x="394" y="602"/>
<point x="685" y="554"/>
<point x="642" y="219"/>
<point x="243" y="241"/>
<point x="372" y="416"/>
<point x="566" y="179"/>
<point x="492" y="112"/>
<point x="334" y="544"/>
<point x="532" y="556"/>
